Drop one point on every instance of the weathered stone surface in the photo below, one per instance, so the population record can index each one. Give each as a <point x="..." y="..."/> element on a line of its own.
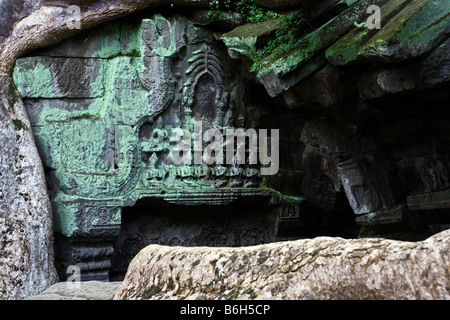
<point x="320" y="157"/>
<point x="409" y="30"/>
<point x="193" y="226"/>
<point x="327" y="87"/>
<point x="105" y="131"/>
<point x="47" y="25"/>
<point x="373" y="219"/>
<point x="42" y="77"/>
<point x="426" y="73"/>
<point x="86" y="144"/>
<point x="245" y="39"/>
<point x="365" y="180"/>
<point x="345" y="50"/>
<point x="373" y="178"/>
<point x="281" y="73"/>
<point x="224" y="20"/>
<point x="88" y="290"/>
<point x="104" y="41"/>
<point x="26" y="233"/>
<point x="321" y="268"/>
<point x="26" y="241"/>
<point x="415" y="31"/>
<point x="13" y="11"/>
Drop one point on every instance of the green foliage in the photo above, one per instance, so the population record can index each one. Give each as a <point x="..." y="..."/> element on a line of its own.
<point x="366" y="233"/>
<point x="285" y="38"/>
<point x="252" y="11"/>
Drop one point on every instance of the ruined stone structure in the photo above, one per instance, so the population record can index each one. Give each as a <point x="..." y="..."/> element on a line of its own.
<point x="363" y="119"/>
<point x="104" y="118"/>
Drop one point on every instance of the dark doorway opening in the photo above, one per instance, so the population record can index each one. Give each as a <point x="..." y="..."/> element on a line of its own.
<point x="148" y="222"/>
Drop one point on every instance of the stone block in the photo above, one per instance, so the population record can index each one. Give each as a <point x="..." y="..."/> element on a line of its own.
<point x="45" y="77"/>
<point x="346" y="50"/>
<point x="431" y="71"/>
<point x="429" y="201"/>
<point x="100" y="42"/>
<point x="379" y="218"/>
<point x="416" y="30"/>
<point x="275" y="72"/>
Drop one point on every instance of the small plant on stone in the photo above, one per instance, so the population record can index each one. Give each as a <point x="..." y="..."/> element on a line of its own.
<point x="365" y="233"/>
<point x="284" y="38"/>
<point x="252" y="11"/>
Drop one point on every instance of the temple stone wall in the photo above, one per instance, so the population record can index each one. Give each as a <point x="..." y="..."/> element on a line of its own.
<point x="104" y="107"/>
<point x="362" y="114"/>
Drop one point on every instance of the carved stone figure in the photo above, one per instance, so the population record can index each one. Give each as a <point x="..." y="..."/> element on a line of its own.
<point x="115" y="148"/>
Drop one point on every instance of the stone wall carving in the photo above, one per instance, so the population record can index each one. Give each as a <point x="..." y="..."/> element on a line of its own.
<point x="105" y="129"/>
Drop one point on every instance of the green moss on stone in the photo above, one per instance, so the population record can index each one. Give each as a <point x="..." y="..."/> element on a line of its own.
<point x="346" y="50"/>
<point x="35" y="82"/>
<point x="254" y="29"/>
<point x="110" y="45"/>
<point x="416" y="29"/>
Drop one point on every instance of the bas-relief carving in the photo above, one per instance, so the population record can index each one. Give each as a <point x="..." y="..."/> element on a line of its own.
<point x="99" y="156"/>
<point x="115" y="149"/>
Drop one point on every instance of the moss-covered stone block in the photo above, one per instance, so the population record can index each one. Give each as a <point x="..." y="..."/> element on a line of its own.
<point x="277" y="73"/>
<point x="105" y="126"/>
<point x="345" y="51"/>
<point x="245" y="39"/>
<point x="416" y="30"/>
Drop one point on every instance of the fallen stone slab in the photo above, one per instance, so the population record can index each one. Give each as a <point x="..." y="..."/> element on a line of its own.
<point x="429" y="201"/>
<point x="89" y="290"/>
<point x="345" y="50"/>
<point x="281" y="73"/>
<point x="320" y="268"/>
<point x="419" y="75"/>
<point x="416" y="30"/>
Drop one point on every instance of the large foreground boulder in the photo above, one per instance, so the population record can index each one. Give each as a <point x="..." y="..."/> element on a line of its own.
<point x="320" y="268"/>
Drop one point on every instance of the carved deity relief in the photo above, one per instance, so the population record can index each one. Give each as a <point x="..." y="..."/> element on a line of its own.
<point x="119" y="138"/>
<point x="194" y="93"/>
<point x="205" y="68"/>
<point x="108" y="128"/>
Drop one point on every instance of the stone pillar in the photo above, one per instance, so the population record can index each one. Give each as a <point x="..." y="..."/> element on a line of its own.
<point x="86" y="233"/>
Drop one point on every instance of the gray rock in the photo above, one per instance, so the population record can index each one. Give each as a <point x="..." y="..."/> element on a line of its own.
<point x="89" y="290"/>
<point x="377" y="218"/>
<point x="320" y="268"/>
<point x="67" y="76"/>
<point x="26" y="239"/>
<point x="59" y="77"/>
<point x="281" y="73"/>
<point x="431" y="71"/>
<point x="429" y="201"/>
